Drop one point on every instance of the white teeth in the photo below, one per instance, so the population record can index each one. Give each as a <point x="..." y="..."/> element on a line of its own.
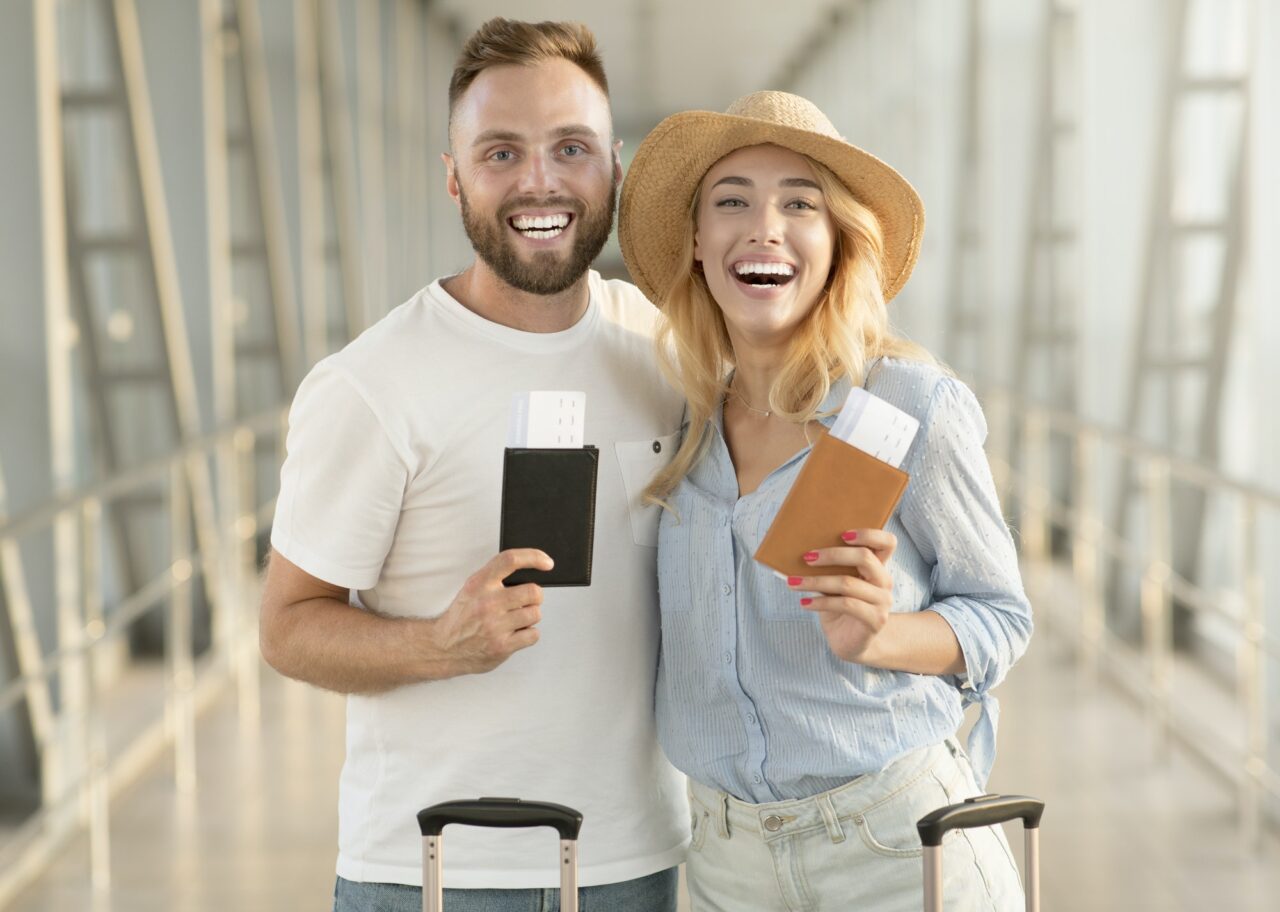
<point x="749" y="268"/>
<point x="540" y="222"/>
<point x="542" y="235"/>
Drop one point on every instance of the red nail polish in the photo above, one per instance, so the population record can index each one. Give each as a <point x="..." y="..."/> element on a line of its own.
<point x="811" y="555"/>
<point x="794" y="580"/>
<point x="806" y="602"/>
<point x="850" y="536"/>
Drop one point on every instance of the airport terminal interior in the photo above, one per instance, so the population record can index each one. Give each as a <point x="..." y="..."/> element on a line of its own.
<point x="204" y="198"/>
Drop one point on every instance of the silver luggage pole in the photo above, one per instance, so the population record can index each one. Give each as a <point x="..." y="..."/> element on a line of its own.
<point x="506" y="813"/>
<point x="985" y="810"/>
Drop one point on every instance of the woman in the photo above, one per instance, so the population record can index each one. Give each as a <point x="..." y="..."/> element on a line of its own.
<point x="815" y="716"/>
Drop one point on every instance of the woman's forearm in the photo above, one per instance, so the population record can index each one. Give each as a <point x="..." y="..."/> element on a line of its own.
<point x="919" y="642"/>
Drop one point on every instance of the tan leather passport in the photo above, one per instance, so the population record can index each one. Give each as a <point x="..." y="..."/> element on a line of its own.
<point x="839" y="488"/>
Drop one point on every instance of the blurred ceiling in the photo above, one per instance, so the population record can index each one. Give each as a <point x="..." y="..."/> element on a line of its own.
<point x="664" y="56"/>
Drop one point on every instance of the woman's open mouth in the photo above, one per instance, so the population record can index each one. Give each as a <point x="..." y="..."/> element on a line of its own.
<point x="541" y="227"/>
<point x="764" y="275"/>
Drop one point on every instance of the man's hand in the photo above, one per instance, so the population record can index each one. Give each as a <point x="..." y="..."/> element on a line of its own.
<point x="487" y="622"/>
<point x="309" y="632"/>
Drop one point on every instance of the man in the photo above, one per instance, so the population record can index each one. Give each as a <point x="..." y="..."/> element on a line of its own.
<point x="460" y="687"/>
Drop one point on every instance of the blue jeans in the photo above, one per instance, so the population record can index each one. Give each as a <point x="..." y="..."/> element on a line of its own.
<point x="655" y="893"/>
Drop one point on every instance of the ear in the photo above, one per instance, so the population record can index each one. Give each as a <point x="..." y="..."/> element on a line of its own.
<point x="697" y="249"/>
<point x="617" y="160"/>
<point x="450" y="178"/>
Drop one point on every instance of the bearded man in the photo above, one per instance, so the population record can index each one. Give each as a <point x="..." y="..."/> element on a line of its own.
<point x="458" y="685"/>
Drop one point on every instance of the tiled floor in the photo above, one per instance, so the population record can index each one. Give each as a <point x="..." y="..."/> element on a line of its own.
<point x="1120" y="832"/>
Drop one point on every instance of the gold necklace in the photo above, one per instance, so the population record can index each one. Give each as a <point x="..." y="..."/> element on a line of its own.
<point x="744" y="401"/>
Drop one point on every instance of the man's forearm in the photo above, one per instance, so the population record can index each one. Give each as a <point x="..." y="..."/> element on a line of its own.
<point x="334" y="645"/>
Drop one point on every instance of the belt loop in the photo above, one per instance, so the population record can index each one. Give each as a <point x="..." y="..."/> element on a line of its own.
<point x="834" y="830"/>
<point x="722" y="815"/>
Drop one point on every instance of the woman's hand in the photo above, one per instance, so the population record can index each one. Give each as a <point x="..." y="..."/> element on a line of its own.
<point x="853" y="607"/>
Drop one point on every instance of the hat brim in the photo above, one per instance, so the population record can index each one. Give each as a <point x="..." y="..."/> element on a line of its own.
<point x="674" y="157"/>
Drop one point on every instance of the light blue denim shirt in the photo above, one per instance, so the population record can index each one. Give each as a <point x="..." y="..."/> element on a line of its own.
<point x="750" y="698"/>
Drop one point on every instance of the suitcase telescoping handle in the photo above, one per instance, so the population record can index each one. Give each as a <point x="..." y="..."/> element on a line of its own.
<point x="498" y="812"/>
<point x="985" y="810"/>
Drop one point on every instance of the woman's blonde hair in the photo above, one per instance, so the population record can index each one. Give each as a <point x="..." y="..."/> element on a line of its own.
<point x="845" y="332"/>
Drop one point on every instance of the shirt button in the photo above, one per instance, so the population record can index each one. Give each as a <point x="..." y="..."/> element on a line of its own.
<point x="751" y="720"/>
<point x="773" y="822"/>
<point x="728" y="657"/>
<point x="657" y="446"/>
<point x="755" y="779"/>
<point x="726" y="588"/>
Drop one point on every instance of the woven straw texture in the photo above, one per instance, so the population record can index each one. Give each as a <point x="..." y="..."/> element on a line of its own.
<point x="673" y="159"/>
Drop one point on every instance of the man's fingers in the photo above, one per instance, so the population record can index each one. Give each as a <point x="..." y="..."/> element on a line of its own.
<point x="505" y="563"/>
<point x="524" y="617"/>
<point x="523" y="638"/>
<point x="522" y="596"/>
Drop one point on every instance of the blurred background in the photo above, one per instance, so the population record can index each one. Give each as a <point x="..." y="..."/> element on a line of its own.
<point x="201" y="198"/>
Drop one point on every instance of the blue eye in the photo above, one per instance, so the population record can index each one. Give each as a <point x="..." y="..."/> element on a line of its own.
<point x="802" y="204"/>
<point x="499" y="155"/>
<point x="573" y="151"/>
<point x="731" y="202"/>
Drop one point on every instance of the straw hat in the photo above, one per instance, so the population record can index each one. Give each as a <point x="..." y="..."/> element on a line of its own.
<point x="673" y="159"/>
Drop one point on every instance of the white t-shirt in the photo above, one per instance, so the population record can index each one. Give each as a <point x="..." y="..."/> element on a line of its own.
<point x="392" y="487"/>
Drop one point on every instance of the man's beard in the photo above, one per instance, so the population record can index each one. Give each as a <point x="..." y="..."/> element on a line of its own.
<point x="546" y="272"/>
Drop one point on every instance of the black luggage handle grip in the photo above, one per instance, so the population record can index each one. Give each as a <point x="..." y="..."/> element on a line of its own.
<point x="501" y="812"/>
<point x="984" y="810"/>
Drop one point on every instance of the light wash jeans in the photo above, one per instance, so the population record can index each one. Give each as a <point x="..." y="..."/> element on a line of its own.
<point x="852" y="848"/>
<point x="655" y="893"/>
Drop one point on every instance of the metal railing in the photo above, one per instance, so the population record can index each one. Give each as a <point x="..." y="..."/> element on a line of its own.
<point x="81" y="775"/>
<point x="79" y="771"/>
<point x="1238" y="746"/>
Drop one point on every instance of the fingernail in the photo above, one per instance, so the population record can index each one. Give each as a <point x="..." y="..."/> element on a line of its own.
<point x="794" y="580"/>
<point x="850" y="536"/>
<point x="811" y="555"/>
<point x="806" y="602"/>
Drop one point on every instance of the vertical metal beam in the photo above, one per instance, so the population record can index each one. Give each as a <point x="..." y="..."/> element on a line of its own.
<point x="1166" y="357"/>
<point x="373" y="183"/>
<point x="967" y="316"/>
<point x="336" y="116"/>
<point x="311" y="205"/>
<point x="269" y="190"/>
<point x="60" y="334"/>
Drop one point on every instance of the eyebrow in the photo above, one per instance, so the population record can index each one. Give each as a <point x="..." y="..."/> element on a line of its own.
<point x="785" y="182"/>
<point x="497" y="135"/>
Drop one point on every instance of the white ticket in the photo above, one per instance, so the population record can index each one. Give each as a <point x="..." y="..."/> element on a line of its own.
<point x="547" y="419"/>
<point x="875" y="427"/>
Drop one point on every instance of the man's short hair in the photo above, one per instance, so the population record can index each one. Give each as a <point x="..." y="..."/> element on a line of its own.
<point x="509" y="41"/>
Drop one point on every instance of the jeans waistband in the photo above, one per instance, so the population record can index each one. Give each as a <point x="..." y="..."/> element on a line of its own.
<point x="857" y="796"/>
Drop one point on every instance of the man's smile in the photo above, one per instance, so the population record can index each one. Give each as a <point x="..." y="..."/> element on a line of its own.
<point x="540" y="226"/>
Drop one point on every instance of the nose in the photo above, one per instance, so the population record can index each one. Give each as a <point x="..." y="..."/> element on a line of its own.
<point x="538" y="177"/>
<point x="767" y="227"/>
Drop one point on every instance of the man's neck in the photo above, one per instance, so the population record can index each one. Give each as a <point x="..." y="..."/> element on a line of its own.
<point x="481" y="291"/>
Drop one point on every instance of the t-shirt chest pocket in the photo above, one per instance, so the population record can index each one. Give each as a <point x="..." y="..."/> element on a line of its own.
<point x="639" y="461"/>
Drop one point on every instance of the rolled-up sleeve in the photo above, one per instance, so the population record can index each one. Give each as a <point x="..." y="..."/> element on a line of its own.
<point x="953" y="515"/>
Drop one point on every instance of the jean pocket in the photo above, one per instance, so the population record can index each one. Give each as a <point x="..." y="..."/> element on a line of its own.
<point x="639" y="461"/>
<point x="889" y="827"/>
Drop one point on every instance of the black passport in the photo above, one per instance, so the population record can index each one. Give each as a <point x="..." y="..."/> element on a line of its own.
<point x="549" y="503"/>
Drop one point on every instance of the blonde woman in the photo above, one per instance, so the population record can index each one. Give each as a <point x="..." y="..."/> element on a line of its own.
<point x="816" y="716"/>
